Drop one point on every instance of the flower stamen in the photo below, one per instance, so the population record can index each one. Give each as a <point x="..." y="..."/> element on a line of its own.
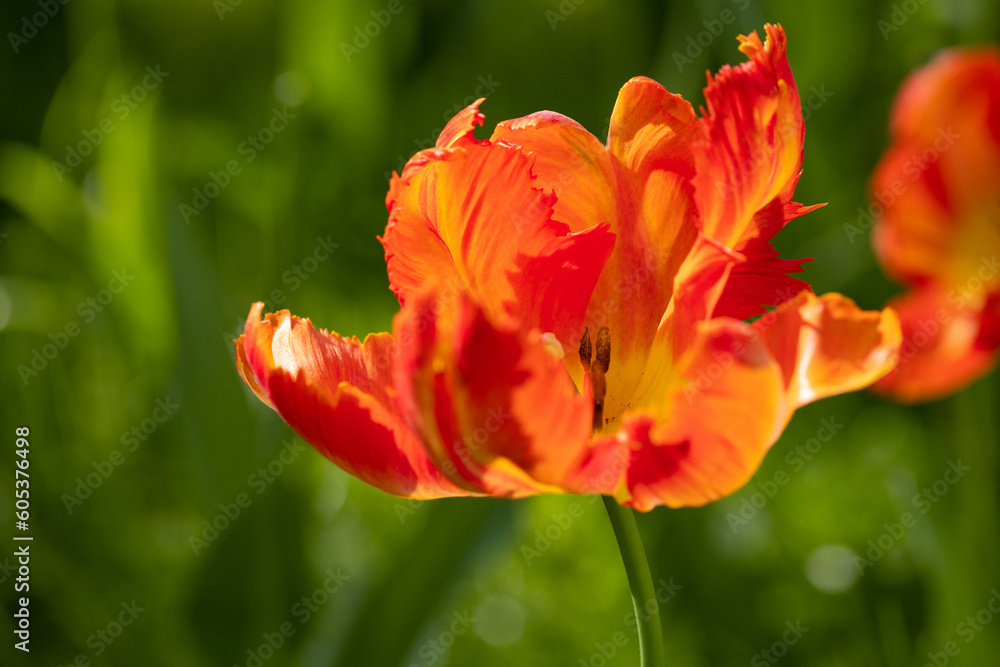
<point x="597" y="369"/>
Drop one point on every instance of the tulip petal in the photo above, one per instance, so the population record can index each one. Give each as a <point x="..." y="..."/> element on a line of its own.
<point x="751" y="150"/>
<point x="492" y="404"/>
<point x="569" y="161"/>
<point x="938" y="186"/>
<point x="652" y="129"/>
<point x="337" y="394"/>
<point x="748" y="162"/>
<point x="700" y="430"/>
<point x="762" y="279"/>
<point x="698" y="286"/>
<point x="826" y="345"/>
<point x="473" y="217"/>
<point x="936" y="193"/>
<point x="946" y="345"/>
<point x="726" y="408"/>
<point x="640" y="185"/>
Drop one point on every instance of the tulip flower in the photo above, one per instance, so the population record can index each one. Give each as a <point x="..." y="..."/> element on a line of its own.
<point x="937" y="190"/>
<point x="574" y="314"/>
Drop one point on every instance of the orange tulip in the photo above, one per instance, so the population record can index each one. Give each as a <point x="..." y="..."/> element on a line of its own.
<point x="572" y="313"/>
<point x="938" y="186"/>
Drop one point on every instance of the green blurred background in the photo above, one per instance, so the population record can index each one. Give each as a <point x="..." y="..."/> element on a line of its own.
<point x="129" y="269"/>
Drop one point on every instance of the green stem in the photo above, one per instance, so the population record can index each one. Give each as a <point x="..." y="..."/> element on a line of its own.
<point x="647" y="607"/>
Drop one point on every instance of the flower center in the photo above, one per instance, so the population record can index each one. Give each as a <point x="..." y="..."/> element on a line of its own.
<point x="597" y="369"/>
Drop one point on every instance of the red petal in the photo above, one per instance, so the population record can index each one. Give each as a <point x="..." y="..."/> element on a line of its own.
<point x="472" y="217"/>
<point x="761" y="280"/>
<point x="336" y="393"/>
<point x="497" y="410"/>
<point x="947" y="343"/>
<point x="748" y="164"/>
<point x="752" y="147"/>
<point x="461" y="126"/>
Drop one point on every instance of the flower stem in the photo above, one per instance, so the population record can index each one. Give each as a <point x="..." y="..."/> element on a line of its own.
<point x="647" y="607"/>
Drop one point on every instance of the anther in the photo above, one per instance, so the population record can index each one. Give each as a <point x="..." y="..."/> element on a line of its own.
<point x="603" y="348"/>
<point x="585" y="349"/>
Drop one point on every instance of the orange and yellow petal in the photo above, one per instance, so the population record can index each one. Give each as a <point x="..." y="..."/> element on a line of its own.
<point x="938" y="186"/>
<point x="472" y="216"/>
<point x="761" y="281"/>
<point x="701" y="430"/>
<point x="652" y="129"/>
<point x="491" y="401"/>
<point x="698" y="286"/>
<point x="639" y="184"/>
<point x="826" y="345"/>
<point x="948" y="341"/>
<point x="725" y="408"/>
<point x="336" y="393"/>
<point x="568" y="161"/>
<point x="936" y="194"/>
